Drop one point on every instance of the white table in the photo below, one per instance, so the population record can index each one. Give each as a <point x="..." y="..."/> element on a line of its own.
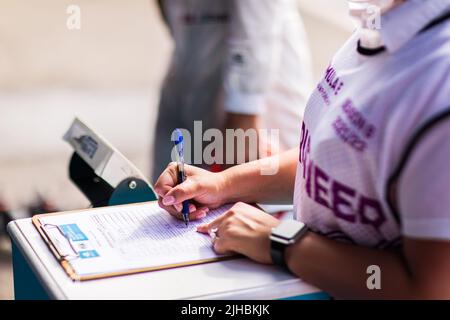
<point x="38" y="275"/>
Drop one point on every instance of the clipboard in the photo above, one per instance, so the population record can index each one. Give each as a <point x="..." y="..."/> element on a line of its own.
<point x="65" y="257"/>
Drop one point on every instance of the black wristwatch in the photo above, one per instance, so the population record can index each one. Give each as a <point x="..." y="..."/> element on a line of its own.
<point x="286" y="233"/>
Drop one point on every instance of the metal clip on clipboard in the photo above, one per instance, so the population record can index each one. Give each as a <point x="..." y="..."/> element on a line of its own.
<point x="102" y="173"/>
<point x="57" y="245"/>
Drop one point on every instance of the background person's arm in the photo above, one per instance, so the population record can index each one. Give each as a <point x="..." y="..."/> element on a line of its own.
<point x="253" y="55"/>
<point x="252" y="149"/>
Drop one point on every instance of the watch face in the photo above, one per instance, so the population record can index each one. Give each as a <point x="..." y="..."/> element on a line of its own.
<point x="288" y="229"/>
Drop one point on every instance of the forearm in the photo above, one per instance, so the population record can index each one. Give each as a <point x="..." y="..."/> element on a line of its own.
<point x="341" y="270"/>
<point x="234" y="151"/>
<point x="269" y="180"/>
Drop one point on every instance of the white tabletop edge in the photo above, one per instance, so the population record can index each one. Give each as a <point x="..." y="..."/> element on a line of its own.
<point x="256" y="293"/>
<point x="46" y="280"/>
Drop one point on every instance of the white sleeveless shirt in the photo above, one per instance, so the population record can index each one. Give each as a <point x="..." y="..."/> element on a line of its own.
<point x="380" y="123"/>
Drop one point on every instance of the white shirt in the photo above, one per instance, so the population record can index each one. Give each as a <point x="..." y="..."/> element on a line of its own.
<point x="374" y="152"/>
<point x="250" y="54"/>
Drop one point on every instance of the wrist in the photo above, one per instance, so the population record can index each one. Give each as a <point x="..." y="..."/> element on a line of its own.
<point x="294" y="254"/>
<point x="224" y="186"/>
<point x="233" y="185"/>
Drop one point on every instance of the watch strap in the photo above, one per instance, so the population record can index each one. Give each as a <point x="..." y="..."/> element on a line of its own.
<point x="277" y="252"/>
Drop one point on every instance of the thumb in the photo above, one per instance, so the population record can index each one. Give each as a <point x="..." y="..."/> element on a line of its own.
<point x="185" y="191"/>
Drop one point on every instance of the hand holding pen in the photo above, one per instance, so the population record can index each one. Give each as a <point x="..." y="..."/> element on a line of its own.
<point x="202" y="189"/>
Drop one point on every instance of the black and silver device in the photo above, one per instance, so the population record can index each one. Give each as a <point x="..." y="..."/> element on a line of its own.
<point x="101" y="172"/>
<point x="285" y="234"/>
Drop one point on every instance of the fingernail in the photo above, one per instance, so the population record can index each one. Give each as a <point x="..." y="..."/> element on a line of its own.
<point x="178" y="207"/>
<point x="169" y="200"/>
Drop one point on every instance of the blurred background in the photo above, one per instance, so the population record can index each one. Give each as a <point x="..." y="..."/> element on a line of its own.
<point x="108" y="73"/>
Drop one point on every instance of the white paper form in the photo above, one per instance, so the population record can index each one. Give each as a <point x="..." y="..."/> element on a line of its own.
<point x="124" y="238"/>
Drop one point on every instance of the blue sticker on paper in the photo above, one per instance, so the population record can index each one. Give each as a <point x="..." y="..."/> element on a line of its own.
<point x="87" y="254"/>
<point x="73" y="232"/>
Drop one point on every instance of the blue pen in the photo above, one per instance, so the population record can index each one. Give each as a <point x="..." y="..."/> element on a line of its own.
<point x="178" y="140"/>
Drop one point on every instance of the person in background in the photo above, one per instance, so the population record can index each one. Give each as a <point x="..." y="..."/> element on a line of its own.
<point x="370" y="179"/>
<point x="236" y="64"/>
<point x="4" y="218"/>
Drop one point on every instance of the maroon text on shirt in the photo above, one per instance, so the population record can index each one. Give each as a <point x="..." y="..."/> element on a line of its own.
<point x="343" y="201"/>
